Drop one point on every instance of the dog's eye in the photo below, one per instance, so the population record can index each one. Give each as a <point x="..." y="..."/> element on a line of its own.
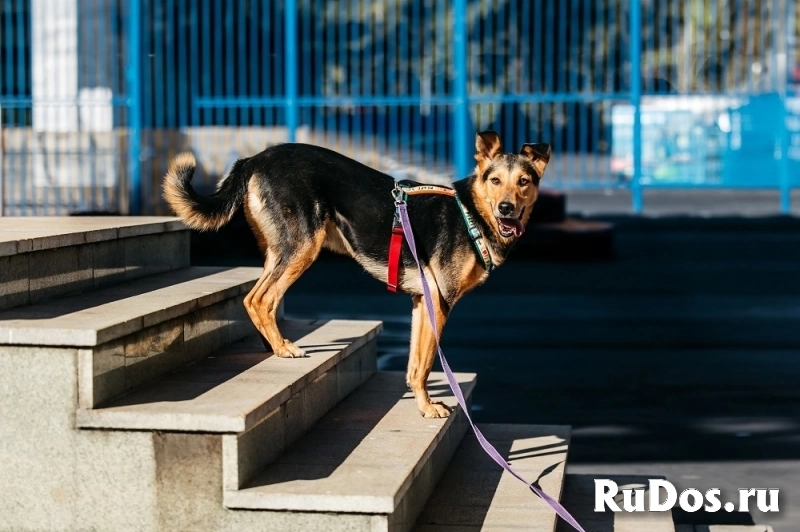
<point x="495" y="181"/>
<point x="523" y="181"/>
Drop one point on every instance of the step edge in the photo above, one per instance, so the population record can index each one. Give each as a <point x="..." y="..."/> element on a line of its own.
<point x="9" y="336"/>
<point x="353" y="504"/>
<point x="90" y="236"/>
<point x="487" y="427"/>
<point x="264" y="410"/>
<point x="89" y="418"/>
<point x="98" y="418"/>
<point x="231" y="499"/>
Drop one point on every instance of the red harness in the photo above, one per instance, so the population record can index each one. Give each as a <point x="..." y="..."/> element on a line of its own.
<point x="396" y="242"/>
<point x="395" y="246"/>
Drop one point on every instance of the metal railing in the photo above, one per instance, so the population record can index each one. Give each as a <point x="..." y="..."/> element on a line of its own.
<point x="97" y="95"/>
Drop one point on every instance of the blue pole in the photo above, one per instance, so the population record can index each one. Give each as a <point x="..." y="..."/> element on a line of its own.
<point x="134" y="79"/>
<point x="462" y="134"/>
<point x="784" y="172"/>
<point x="290" y="19"/>
<point x="636" y="101"/>
<point x="786" y="188"/>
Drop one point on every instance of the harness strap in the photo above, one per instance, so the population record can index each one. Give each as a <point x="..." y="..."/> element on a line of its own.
<point x="395" y="246"/>
<point x="429" y="189"/>
<point x="400" y="194"/>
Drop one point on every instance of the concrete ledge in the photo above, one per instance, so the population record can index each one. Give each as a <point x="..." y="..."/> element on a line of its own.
<point x="475" y="494"/>
<point x="37" y="233"/>
<point x="109" y="370"/>
<point x="723" y="528"/>
<point x="373" y="454"/>
<point x="105" y="315"/>
<point x="247" y="453"/>
<point x="47" y="258"/>
<point x="235" y="389"/>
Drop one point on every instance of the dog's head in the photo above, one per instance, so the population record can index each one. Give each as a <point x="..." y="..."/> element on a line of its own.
<point x="506" y="184"/>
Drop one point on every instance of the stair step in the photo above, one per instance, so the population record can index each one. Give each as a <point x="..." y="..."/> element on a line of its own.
<point x="373" y="454"/>
<point x="723" y="528"/>
<point x="578" y="499"/>
<point x="476" y="494"/>
<point x="234" y="389"/>
<point x="98" y="317"/>
<point x="43" y="258"/>
<point x="128" y="334"/>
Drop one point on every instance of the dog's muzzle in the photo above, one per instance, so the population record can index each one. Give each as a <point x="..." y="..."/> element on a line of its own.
<point x="510" y="226"/>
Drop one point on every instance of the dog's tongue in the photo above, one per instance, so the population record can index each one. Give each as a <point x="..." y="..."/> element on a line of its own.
<point x="514" y="225"/>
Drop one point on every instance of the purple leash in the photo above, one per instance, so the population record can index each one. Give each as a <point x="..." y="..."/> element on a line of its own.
<point x="490" y="450"/>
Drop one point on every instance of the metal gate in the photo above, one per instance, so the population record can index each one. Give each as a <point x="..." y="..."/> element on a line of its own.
<point x="660" y="93"/>
<point x="64" y="96"/>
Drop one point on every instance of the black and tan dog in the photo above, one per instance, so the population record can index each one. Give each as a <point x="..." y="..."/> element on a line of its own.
<point x="299" y="199"/>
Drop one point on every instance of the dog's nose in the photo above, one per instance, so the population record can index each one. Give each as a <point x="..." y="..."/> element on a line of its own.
<point x="506" y="208"/>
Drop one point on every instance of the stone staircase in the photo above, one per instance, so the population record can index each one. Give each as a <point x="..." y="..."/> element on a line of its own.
<point x="135" y="396"/>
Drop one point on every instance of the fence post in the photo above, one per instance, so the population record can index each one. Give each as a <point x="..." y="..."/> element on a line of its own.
<point x="461" y="134"/>
<point x="290" y="20"/>
<point x="134" y="80"/>
<point x="636" y="101"/>
<point x="784" y="175"/>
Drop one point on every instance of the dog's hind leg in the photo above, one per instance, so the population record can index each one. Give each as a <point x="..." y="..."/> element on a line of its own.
<point x="257" y="292"/>
<point x="288" y="266"/>
<point x="422" y="354"/>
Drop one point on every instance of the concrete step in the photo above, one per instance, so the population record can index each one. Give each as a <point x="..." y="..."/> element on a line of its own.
<point x="261" y="403"/>
<point x="578" y="498"/>
<point x="723" y="528"/>
<point x="475" y="494"/>
<point x="237" y="387"/>
<point x="59" y="476"/>
<point x="370" y="464"/>
<point x="42" y="258"/>
<point x="128" y="334"/>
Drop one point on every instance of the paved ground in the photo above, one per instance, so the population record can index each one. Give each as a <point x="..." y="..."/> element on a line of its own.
<point x="669" y="202"/>
<point x="681" y="357"/>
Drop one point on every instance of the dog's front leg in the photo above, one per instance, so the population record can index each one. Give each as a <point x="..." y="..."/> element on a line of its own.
<point x="422" y="353"/>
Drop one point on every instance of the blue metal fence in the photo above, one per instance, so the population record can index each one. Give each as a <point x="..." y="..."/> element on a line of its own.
<point x="97" y="95"/>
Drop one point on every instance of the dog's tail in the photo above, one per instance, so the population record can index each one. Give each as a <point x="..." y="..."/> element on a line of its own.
<point x="204" y="213"/>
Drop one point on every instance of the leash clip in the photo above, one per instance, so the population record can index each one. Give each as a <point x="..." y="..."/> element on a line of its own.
<point x="399" y="194"/>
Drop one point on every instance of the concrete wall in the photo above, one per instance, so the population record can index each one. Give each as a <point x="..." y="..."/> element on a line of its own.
<point x="63" y="168"/>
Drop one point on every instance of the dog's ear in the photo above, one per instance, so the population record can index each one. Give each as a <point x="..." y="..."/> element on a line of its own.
<point x="538" y="153"/>
<point x="487" y="145"/>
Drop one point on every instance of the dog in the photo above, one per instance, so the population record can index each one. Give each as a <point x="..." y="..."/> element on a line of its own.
<point x="299" y="199"/>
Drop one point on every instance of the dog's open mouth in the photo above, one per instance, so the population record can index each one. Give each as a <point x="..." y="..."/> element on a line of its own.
<point x="510" y="227"/>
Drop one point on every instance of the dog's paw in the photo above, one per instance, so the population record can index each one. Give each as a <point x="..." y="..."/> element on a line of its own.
<point x="435" y="410"/>
<point x="289" y="350"/>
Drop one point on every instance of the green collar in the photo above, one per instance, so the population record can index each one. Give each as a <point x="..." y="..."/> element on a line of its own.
<point x="476" y="236"/>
